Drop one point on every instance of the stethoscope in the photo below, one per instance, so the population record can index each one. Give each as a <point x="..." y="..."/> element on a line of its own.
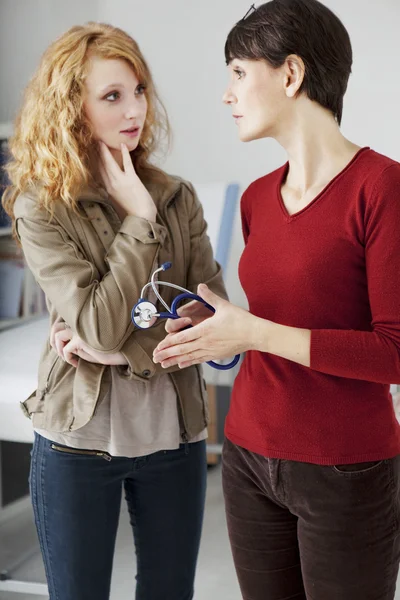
<point x="144" y="314"/>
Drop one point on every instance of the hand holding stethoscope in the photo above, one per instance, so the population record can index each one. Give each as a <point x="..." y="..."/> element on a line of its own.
<point x="145" y="314"/>
<point x="230" y="330"/>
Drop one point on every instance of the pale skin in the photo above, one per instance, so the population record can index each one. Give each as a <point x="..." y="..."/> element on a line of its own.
<point x="116" y="107"/>
<point x="265" y="103"/>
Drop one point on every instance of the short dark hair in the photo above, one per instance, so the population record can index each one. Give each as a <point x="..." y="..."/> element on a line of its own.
<point x="306" y="28"/>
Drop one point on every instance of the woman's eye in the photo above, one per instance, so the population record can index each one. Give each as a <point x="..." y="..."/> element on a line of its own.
<point x="239" y="73"/>
<point x="112" y="97"/>
<point x="141" y="89"/>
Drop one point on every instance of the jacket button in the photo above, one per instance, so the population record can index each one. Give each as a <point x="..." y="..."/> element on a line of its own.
<point x="146" y="373"/>
<point x="150" y="235"/>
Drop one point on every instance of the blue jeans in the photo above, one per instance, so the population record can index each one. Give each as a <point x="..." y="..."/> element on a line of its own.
<point x="76" y="500"/>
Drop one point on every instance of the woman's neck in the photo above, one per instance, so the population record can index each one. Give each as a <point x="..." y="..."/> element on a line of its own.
<point x="317" y="150"/>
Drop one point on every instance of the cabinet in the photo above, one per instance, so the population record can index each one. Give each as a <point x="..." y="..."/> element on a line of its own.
<point x="20" y="297"/>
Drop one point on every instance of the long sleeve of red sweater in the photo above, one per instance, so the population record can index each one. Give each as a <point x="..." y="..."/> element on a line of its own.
<point x="371" y="355"/>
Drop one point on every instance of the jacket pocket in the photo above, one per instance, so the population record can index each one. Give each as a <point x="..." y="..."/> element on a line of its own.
<point x="33" y="404"/>
<point x="50" y="374"/>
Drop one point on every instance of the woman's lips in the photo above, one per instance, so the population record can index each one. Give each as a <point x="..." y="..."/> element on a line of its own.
<point x="132" y="133"/>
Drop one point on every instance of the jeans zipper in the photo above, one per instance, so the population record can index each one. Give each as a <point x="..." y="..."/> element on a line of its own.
<point x="104" y="455"/>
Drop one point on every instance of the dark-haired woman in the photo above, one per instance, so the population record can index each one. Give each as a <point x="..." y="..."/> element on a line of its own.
<point x="311" y="460"/>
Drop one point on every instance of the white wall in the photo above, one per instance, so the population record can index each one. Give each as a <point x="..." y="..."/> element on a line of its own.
<point x="26" y="29"/>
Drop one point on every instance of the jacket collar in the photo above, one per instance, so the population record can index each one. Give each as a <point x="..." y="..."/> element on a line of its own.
<point x="161" y="193"/>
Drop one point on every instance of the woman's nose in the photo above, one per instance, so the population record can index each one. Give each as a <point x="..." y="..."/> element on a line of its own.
<point x="228" y="97"/>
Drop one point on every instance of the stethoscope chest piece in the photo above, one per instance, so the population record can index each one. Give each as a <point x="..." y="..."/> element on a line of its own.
<point x="144" y="314"/>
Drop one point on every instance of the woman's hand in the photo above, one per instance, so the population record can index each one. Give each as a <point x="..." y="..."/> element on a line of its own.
<point x="231" y="330"/>
<point x="192" y="313"/>
<point x="69" y="346"/>
<point x="124" y="186"/>
<point x="58" y="325"/>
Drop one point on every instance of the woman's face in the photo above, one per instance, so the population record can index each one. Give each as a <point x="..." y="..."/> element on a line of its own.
<point x="115" y="103"/>
<point x="256" y="94"/>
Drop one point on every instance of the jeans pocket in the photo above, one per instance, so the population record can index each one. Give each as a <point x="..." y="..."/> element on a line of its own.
<point x="357" y="469"/>
<point x="80" y="453"/>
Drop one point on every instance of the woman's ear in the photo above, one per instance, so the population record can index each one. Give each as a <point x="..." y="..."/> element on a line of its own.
<point x="294" y="70"/>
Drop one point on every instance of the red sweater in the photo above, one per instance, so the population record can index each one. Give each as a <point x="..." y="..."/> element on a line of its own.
<point x="333" y="268"/>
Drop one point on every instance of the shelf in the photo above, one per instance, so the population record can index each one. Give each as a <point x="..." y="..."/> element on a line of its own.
<point x="4" y="231"/>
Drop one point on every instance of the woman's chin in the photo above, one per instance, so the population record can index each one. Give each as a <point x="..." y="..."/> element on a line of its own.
<point x="131" y="143"/>
<point x="115" y="145"/>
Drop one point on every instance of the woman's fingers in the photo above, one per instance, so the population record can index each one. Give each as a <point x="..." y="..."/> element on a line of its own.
<point x="110" y="164"/>
<point x="127" y="161"/>
<point x="173" y="346"/>
<point x="58" y="325"/>
<point x="69" y="353"/>
<point x="190" y="308"/>
<point x="176" y="339"/>
<point x="184" y="364"/>
<point x="196" y="310"/>
<point x="173" y="325"/>
<point x="61" y="338"/>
